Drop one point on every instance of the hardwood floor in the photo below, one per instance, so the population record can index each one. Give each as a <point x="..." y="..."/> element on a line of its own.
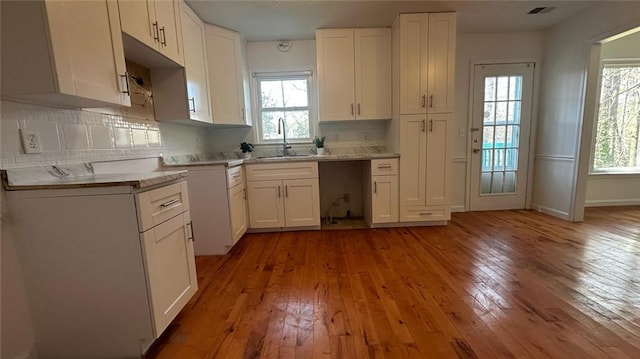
<point x="505" y="284"/>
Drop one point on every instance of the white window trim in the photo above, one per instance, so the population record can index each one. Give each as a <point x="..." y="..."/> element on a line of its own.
<point x="608" y="171"/>
<point x="283" y="75"/>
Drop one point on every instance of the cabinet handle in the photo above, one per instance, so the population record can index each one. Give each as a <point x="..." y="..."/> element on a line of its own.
<point x="375" y="187"/>
<point x="286" y="191"/>
<point x="236" y="176"/>
<point x="358" y="109"/>
<point x="164" y="37"/>
<point x="352" y="109"/>
<point x="384" y="166"/>
<point x="244" y="194"/>
<point x="193" y="101"/>
<point x="431" y="101"/>
<point x="424" y="101"/>
<point x="279" y="194"/>
<point x="156" y="36"/>
<point x="126" y="84"/>
<point x="170" y="203"/>
<point x="243" y="115"/>
<point x="431" y="125"/>
<point x="425" y="213"/>
<point x="193" y="235"/>
<point x="423" y="125"/>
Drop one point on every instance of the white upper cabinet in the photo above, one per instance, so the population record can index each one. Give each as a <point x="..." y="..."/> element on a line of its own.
<point x="155" y="23"/>
<point x="426" y="62"/>
<point x="195" y="65"/>
<point x="228" y="77"/>
<point x="182" y="94"/>
<point x="354" y="73"/>
<point x="66" y="53"/>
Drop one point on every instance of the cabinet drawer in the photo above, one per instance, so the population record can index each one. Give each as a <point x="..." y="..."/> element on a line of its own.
<point x="384" y="167"/>
<point x="235" y="176"/>
<point x="282" y="171"/>
<point x="424" y="214"/>
<point x="161" y="204"/>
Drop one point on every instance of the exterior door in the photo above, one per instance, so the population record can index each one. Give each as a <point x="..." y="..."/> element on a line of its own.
<point x="500" y="128"/>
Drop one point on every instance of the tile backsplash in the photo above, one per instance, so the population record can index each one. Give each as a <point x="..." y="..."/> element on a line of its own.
<point x="74" y="136"/>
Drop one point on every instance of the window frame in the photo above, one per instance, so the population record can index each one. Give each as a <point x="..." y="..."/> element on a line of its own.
<point x="257" y="104"/>
<point x="630" y="62"/>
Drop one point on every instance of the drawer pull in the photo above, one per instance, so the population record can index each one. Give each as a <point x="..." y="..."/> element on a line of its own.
<point x="170" y="203"/>
<point x="236" y="176"/>
<point x="426" y="213"/>
<point x="384" y="166"/>
<point x="193" y="235"/>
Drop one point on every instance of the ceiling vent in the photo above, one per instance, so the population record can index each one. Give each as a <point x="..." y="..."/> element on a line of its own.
<point x="541" y="10"/>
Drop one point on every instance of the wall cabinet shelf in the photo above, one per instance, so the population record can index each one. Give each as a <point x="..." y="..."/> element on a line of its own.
<point x="354" y="73"/>
<point x="67" y="53"/>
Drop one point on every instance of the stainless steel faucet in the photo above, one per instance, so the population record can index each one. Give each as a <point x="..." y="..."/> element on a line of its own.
<point x="282" y="129"/>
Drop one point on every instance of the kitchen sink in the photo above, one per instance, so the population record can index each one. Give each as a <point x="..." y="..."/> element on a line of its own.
<point x="282" y="157"/>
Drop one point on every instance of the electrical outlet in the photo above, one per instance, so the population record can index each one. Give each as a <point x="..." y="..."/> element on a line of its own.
<point x="347" y="197"/>
<point x="30" y="141"/>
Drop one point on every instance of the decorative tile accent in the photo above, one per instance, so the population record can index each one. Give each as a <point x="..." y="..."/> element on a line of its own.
<point x="139" y="137"/>
<point x="123" y="137"/>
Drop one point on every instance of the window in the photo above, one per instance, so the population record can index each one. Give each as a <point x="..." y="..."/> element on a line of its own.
<point x="284" y="96"/>
<point x="617" y="147"/>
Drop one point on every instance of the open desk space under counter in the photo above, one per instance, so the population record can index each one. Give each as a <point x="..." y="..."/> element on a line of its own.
<point x="107" y="258"/>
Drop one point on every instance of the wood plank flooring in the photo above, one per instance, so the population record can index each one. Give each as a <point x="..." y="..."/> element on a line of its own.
<point x="504" y="284"/>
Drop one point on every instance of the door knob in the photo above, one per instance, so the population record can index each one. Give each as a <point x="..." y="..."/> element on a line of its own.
<point x="476" y="150"/>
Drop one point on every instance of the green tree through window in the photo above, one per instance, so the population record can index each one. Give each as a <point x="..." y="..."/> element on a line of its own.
<point x="285" y="97"/>
<point x="618" y="126"/>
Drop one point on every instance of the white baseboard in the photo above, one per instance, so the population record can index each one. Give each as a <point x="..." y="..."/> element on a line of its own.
<point x="614" y="202"/>
<point x="551" y="211"/>
<point x="458" y="208"/>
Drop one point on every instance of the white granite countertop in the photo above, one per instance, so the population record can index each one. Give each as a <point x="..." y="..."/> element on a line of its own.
<point x="81" y="176"/>
<point x="194" y="161"/>
<point x="324" y="158"/>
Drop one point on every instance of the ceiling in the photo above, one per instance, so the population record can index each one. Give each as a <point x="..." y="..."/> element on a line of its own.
<point x="297" y="20"/>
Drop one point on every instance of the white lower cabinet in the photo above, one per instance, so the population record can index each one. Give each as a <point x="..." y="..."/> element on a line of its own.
<point x="171" y="268"/>
<point x="218" y="207"/>
<point x="283" y="195"/>
<point x="106" y="268"/>
<point x="381" y="194"/>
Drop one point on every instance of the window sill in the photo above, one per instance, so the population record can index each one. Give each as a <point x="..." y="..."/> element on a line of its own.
<point x="614" y="174"/>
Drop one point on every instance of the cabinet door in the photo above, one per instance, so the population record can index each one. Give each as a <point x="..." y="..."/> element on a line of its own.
<point x="169" y="29"/>
<point x="335" y="61"/>
<point x="413" y="161"/>
<point x="195" y="66"/>
<point x="238" y="211"/>
<point x="438" y="159"/>
<point x="413" y="63"/>
<point x="373" y="73"/>
<point x="224" y="59"/>
<point x="302" y="202"/>
<point x="171" y="270"/>
<point x="87" y="49"/>
<point x="384" y="201"/>
<point x="138" y="20"/>
<point x="266" y="204"/>
<point x="442" y="62"/>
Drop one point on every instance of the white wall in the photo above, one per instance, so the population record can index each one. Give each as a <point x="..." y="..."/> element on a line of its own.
<point x="265" y="57"/>
<point x="616" y="189"/>
<point x="557" y="190"/>
<point x="487" y="48"/>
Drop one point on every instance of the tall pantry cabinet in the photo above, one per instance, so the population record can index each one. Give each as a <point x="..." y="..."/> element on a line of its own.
<point x="422" y="126"/>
